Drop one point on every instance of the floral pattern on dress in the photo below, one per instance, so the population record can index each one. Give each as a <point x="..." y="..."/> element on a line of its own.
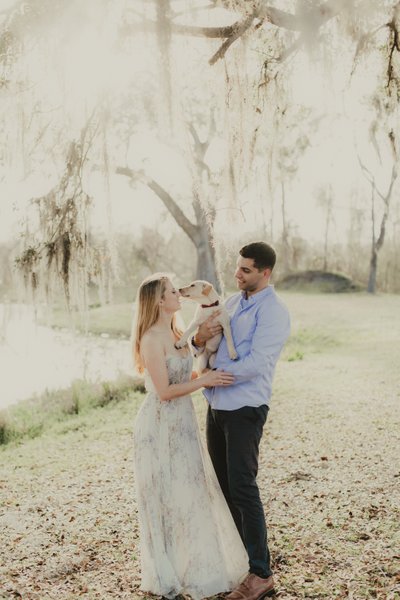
<point x="189" y="543"/>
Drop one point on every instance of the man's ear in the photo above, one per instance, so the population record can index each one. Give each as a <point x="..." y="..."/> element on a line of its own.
<point x="206" y="289"/>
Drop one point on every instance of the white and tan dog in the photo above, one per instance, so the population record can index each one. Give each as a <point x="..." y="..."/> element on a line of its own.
<point x="206" y="296"/>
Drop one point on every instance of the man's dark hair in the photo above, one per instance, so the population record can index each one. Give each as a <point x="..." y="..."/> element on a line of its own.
<point x="263" y="254"/>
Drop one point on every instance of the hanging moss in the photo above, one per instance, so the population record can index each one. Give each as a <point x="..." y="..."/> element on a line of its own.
<point x="66" y="249"/>
<point x="62" y="228"/>
<point x="50" y="248"/>
<point x="27" y="263"/>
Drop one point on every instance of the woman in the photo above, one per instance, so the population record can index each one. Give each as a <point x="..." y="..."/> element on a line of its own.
<point x="189" y="542"/>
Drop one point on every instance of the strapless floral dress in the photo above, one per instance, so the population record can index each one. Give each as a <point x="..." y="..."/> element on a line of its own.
<point x="189" y="543"/>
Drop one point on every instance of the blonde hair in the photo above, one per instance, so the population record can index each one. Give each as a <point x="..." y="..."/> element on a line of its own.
<point x="147" y="304"/>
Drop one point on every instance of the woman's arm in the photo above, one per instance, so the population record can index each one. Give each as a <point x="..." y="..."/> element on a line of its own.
<point x="156" y="365"/>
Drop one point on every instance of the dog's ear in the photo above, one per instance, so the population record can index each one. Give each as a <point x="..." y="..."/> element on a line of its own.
<point x="207" y="287"/>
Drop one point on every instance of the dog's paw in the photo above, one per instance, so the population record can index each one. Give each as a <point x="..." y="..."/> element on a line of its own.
<point x="178" y="345"/>
<point x="234" y="356"/>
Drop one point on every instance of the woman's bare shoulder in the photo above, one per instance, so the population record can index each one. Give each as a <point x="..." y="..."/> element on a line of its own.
<point x="151" y="338"/>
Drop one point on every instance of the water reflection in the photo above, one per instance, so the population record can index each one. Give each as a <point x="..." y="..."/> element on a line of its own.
<point x="34" y="358"/>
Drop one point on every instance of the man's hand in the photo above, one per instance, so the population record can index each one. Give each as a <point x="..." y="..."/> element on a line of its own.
<point x="208" y="329"/>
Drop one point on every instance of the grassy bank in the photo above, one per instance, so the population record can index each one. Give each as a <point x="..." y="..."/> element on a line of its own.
<point x="329" y="473"/>
<point x="31" y="418"/>
<point x="114" y="320"/>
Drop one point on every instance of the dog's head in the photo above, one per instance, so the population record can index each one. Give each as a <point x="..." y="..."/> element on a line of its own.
<point x="199" y="291"/>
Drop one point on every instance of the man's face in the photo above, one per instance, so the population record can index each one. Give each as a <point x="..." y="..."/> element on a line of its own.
<point x="248" y="277"/>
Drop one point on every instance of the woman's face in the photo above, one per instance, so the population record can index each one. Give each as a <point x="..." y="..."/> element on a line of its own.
<point x="170" y="300"/>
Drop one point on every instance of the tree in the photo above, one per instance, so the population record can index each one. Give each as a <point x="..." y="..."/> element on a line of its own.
<point x="292" y="128"/>
<point x="248" y="60"/>
<point x="199" y="232"/>
<point x="325" y="200"/>
<point x="378" y="240"/>
<point x="384" y="139"/>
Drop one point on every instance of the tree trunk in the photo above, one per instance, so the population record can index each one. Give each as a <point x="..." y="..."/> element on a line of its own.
<point x="199" y="232"/>
<point x="206" y="267"/>
<point x="373" y="263"/>
<point x="327" y="224"/>
<point x="378" y="243"/>
<point x="205" y="260"/>
<point x="373" y="267"/>
<point x="285" y="234"/>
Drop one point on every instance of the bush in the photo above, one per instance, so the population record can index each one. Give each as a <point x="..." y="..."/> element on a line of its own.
<point x="318" y="281"/>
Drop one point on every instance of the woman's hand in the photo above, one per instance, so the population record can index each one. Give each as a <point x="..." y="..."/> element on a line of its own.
<point x="217" y="378"/>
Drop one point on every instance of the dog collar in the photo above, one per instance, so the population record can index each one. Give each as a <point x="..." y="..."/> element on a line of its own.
<point x="209" y="305"/>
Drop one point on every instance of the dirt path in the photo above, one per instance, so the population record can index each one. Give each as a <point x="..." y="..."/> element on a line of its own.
<point x="329" y="474"/>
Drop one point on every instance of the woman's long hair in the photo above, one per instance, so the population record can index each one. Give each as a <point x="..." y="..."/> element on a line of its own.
<point x="147" y="305"/>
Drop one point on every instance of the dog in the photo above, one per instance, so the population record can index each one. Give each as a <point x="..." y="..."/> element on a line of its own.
<point x="206" y="296"/>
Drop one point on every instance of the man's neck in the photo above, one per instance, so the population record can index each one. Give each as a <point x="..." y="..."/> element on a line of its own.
<point x="248" y="294"/>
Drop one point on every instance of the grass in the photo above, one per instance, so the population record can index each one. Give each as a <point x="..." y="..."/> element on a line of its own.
<point x="30" y="418"/>
<point x="114" y="320"/>
<point x="329" y="472"/>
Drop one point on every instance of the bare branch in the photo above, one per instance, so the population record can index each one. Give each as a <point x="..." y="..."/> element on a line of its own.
<point x="241" y="28"/>
<point x="392" y="181"/>
<point x="195" y="31"/>
<point x="167" y="200"/>
<point x="381" y="238"/>
<point x="368" y="175"/>
<point x="200" y="148"/>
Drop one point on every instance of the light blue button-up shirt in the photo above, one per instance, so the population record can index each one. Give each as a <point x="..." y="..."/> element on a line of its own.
<point x="260" y="326"/>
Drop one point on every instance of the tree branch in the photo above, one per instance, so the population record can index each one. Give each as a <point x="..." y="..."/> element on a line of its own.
<point x="368" y="175"/>
<point x="272" y="15"/>
<point x="386" y="200"/>
<point x="240" y="29"/>
<point x="184" y="223"/>
<point x="208" y="32"/>
<point x="200" y="148"/>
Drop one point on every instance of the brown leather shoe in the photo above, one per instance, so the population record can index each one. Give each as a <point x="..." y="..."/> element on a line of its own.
<point x="253" y="588"/>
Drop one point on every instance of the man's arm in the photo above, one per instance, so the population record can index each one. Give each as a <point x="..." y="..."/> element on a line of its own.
<point x="272" y="331"/>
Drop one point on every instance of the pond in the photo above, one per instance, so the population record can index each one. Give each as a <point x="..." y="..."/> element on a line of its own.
<point x="35" y="358"/>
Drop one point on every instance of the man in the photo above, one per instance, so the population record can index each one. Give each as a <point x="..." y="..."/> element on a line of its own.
<point x="236" y="415"/>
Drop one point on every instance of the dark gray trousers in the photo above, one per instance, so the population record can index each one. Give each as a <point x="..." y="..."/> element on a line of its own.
<point x="233" y="439"/>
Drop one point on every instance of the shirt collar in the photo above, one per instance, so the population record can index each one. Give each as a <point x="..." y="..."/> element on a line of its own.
<point x="258" y="296"/>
